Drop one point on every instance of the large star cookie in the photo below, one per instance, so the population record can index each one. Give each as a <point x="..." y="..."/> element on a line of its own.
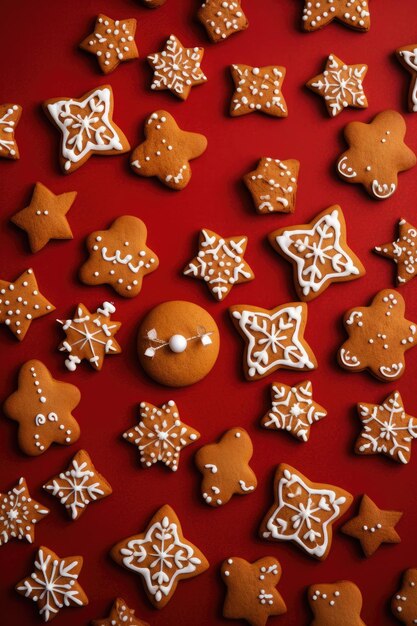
<point x="353" y="13"/>
<point x="318" y="252"/>
<point x="167" y="151"/>
<point x="304" y="512"/>
<point x="258" y="89"/>
<point x="379" y="336"/>
<point x="120" y="615"/>
<point x="9" y="119"/>
<point x="161" y="556"/>
<point x="403" y="251"/>
<point x="112" y="41"/>
<point x="376" y="154"/>
<point x="273" y="185"/>
<point x="222" y="18"/>
<point x="336" y="604"/>
<point x="404" y="602"/>
<point x="19" y="513"/>
<point x="407" y="55"/>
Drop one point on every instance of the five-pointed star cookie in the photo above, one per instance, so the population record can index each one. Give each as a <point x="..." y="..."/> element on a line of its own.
<point x="161" y="435"/>
<point x="403" y="251"/>
<point x="340" y="85"/>
<point x="274" y="339"/>
<point x="407" y="55"/>
<point x="44" y="218"/>
<point x="293" y="410"/>
<point x="220" y="262"/>
<point x="258" y="89"/>
<point x="353" y="13"/>
<point x="166" y="151"/>
<point x="19" y="513"/>
<point x="379" y="336"/>
<point x="336" y="604"/>
<point x="9" y="119"/>
<point x="177" y="68"/>
<point x="21" y="303"/>
<point x="120" y="615"/>
<point x="372" y="526"/>
<point x="42" y="407"/>
<point x="79" y="485"/>
<point x="304" y="512"/>
<point x="112" y="41"/>
<point x="161" y="556"/>
<point x="318" y="252"/>
<point x="53" y="583"/>
<point x="404" y="602"/>
<point x="376" y="154"/>
<point x="273" y="185"/>
<point x="251" y="590"/>
<point x="387" y="429"/>
<point x="90" y="336"/>
<point x="222" y="18"/>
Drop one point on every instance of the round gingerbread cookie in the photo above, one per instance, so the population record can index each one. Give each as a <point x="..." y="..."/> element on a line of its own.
<point x="178" y="343"/>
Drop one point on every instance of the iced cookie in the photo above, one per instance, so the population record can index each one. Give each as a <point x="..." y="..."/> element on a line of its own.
<point x="120" y="615"/>
<point x="9" y="119"/>
<point x="19" y="513"/>
<point x="335" y="604"/>
<point x="222" y="18"/>
<point x="407" y="55"/>
<point x="353" y="13"/>
<point x="258" y="89"/>
<point x="404" y="602"/>
<point x="112" y="41"/>
<point x="273" y="185"/>
<point x="403" y="251"/>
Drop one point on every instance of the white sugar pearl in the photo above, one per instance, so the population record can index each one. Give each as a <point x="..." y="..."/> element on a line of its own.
<point x="177" y="343"/>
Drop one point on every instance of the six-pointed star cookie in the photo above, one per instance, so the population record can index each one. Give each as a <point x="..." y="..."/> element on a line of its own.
<point x="387" y="429"/>
<point x="44" y="218"/>
<point x="120" y="615"/>
<point x="379" y="336"/>
<point x="166" y="151"/>
<point x="220" y="262"/>
<point x="274" y="339"/>
<point x="161" y="435"/>
<point x="42" y="407"/>
<point x="21" y="302"/>
<point x="273" y="185"/>
<point x="304" y="512"/>
<point x="336" y="604"/>
<point x="177" y="68"/>
<point x="9" y="119"/>
<point x="293" y="410"/>
<point x="222" y="18"/>
<point x="353" y="13"/>
<point x="372" y="526"/>
<point x="19" y="513"/>
<point x="403" y="251"/>
<point x="112" y="42"/>
<point x="340" y="85"/>
<point x="407" y="55"/>
<point x="404" y="602"/>
<point x="53" y="583"/>
<point x="318" y="252"/>
<point x="258" y="89"/>
<point x="161" y="556"/>
<point x="251" y="590"/>
<point x="376" y="154"/>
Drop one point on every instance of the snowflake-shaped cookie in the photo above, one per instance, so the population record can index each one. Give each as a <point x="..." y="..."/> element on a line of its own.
<point x="19" y="513"/>
<point x="222" y="18"/>
<point x="353" y="13"/>
<point x="407" y="55"/>
<point x="258" y="89"/>
<point x="112" y="42"/>
<point x="403" y="251"/>
<point x="273" y="185"/>
<point x="9" y="119"/>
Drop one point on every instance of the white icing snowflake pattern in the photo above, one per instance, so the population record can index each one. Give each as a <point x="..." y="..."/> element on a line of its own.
<point x="19" y="513"/>
<point x="9" y="118"/>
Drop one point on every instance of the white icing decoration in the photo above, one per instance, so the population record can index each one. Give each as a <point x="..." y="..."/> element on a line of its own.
<point x="345" y="170"/>
<point x="348" y="359"/>
<point x="391" y="371"/>
<point x="244" y="487"/>
<point x="410" y="58"/>
<point x="176" y="343"/>
<point x="339" y="80"/>
<point x="384" y="190"/>
<point x="16" y="513"/>
<point x="7" y="125"/>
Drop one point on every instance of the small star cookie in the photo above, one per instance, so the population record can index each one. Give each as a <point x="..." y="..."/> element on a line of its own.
<point x="222" y="18"/>
<point x="9" y="119"/>
<point x="273" y="185"/>
<point x="120" y="615"/>
<point x="353" y="13"/>
<point x="112" y="41"/>
<point x="403" y="251"/>
<point x="19" y="513"/>
<point x="404" y="602"/>
<point x="258" y="89"/>
<point x="407" y="55"/>
<point x="336" y="604"/>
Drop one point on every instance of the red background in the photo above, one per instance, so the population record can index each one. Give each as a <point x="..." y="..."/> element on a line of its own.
<point x="40" y="60"/>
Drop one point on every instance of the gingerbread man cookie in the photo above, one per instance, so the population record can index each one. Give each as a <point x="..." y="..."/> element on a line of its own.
<point x="225" y="467"/>
<point x="9" y="119"/>
<point x="222" y="18"/>
<point x="273" y="185"/>
<point x="258" y="89"/>
<point x="336" y="604"/>
<point x="407" y="55"/>
<point x="353" y="13"/>
<point x="112" y="41"/>
<point x="404" y="602"/>
<point x="403" y="251"/>
<point x="120" y="615"/>
<point x="19" y="513"/>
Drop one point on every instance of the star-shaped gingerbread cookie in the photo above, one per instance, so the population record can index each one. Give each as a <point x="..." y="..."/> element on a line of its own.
<point x="407" y="55"/>
<point x="112" y="41"/>
<point x="340" y="85"/>
<point x="176" y="68"/>
<point x="19" y="513"/>
<point x="161" y="435"/>
<point x="353" y="13"/>
<point x="120" y="615"/>
<point x="251" y="590"/>
<point x="372" y="526"/>
<point x="379" y="336"/>
<point x="403" y="251"/>
<point x="404" y="602"/>
<point x="161" y="556"/>
<point x="9" y="119"/>
<point x="376" y="154"/>
<point x="258" y="89"/>
<point x="273" y="185"/>
<point x="220" y="262"/>
<point x="336" y="604"/>
<point x="167" y="151"/>
<point x="222" y="18"/>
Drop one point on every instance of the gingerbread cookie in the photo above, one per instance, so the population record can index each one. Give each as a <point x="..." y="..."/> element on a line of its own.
<point x="222" y="18"/>
<point x="90" y="336"/>
<point x="53" y="583"/>
<point x="120" y="615"/>
<point x="404" y="602"/>
<point x="79" y="485"/>
<point x="274" y="339"/>
<point x="407" y="55"/>
<point x="379" y="336"/>
<point x="386" y="429"/>
<point x="19" y="513"/>
<point x="403" y="251"/>
<point x="220" y="262"/>
<point x="167" y="151"/>
<point x="42" y="406"/>
<point x="251" y="590"/>
<point x="225" y="467"/>
<point x="304" y="512"/>
<point x="273" y="185"/>
<point x="376" y="154"/>
<point x="87" y="127"/>
<point x="336" y="604"/>
<point x="119" y="257"/>
<point x="258" y="89"/>
<point x="160" y="435"/>
<point x="340" y="85"/>
<point x="177" y="559"/>
<point x="112" y="41"/>
<point x="9" y="119"/>
<point x="178" y="343"/>
<point x="21" y="303"/>
<point x="353" y="13"/>
<point x="177" y="68"/>
<point x="293" y="410"/>
<point x="318" y="252"/>
<point x="153" y="4"/>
